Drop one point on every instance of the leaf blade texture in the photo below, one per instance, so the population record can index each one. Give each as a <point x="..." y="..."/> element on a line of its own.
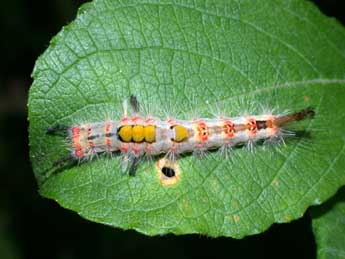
<point x="185" y="57"/>
<point x="329" y="227"/>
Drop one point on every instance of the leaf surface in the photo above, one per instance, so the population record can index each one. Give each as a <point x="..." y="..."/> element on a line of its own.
<point x="329" y="227"/>
<point x="193" y="59"/>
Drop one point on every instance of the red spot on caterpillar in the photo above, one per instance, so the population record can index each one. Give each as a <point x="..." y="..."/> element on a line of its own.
<point x="148" y="148"/>
<point x="136" y="118"/>
<point x="108" y="142"/>
<point x="78" y="151"/>
<point x="149" y="120"/>
<point x="124" y="148"/>
<point x="173" y="148"/>
<point x="107" y="127"/>
<point x="229" y="128"/>
<point x="251" y="126"/>
<point x="226" y="142"/>
<point x="124" y="120"/>
<point x="75" y="132"/>
<point x="200" y="146"/>
<point x="171" y="121"/>
<point x="136" y="149"/>
<point x="202" y="130"/>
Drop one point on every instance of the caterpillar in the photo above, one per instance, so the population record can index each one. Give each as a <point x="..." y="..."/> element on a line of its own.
<point x="136" y="136"/>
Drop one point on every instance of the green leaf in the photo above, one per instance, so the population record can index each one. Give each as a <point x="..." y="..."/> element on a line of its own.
<point x="329" y="227"/>
<point x="190" y="58"/>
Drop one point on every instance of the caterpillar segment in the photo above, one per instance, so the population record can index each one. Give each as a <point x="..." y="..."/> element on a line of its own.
<point x="162" y="137"/>
<point x="137" y="136"/>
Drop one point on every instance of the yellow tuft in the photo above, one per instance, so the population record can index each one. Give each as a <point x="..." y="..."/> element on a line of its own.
<point x="138" y="133"/>
<point x="125" y="133"/>
<point x="150" y="133"/>
<point x="181" y="133"/>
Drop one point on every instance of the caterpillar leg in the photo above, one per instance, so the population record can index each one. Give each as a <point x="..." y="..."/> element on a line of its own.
<point x="60" y="165"/>
<point x="134" y="103"/>
<point x="133" y="166"/>
<point x="58" y="130"/>
<point x="129" y="164"/>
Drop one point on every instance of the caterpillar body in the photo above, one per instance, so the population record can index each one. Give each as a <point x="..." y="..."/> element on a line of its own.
<point x="138" y="136"/>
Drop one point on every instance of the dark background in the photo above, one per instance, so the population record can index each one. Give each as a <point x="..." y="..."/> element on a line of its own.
<point x="34" y="227"/>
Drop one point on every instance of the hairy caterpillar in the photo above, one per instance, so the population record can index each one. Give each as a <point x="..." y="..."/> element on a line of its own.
<point x="136" y="136"/>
